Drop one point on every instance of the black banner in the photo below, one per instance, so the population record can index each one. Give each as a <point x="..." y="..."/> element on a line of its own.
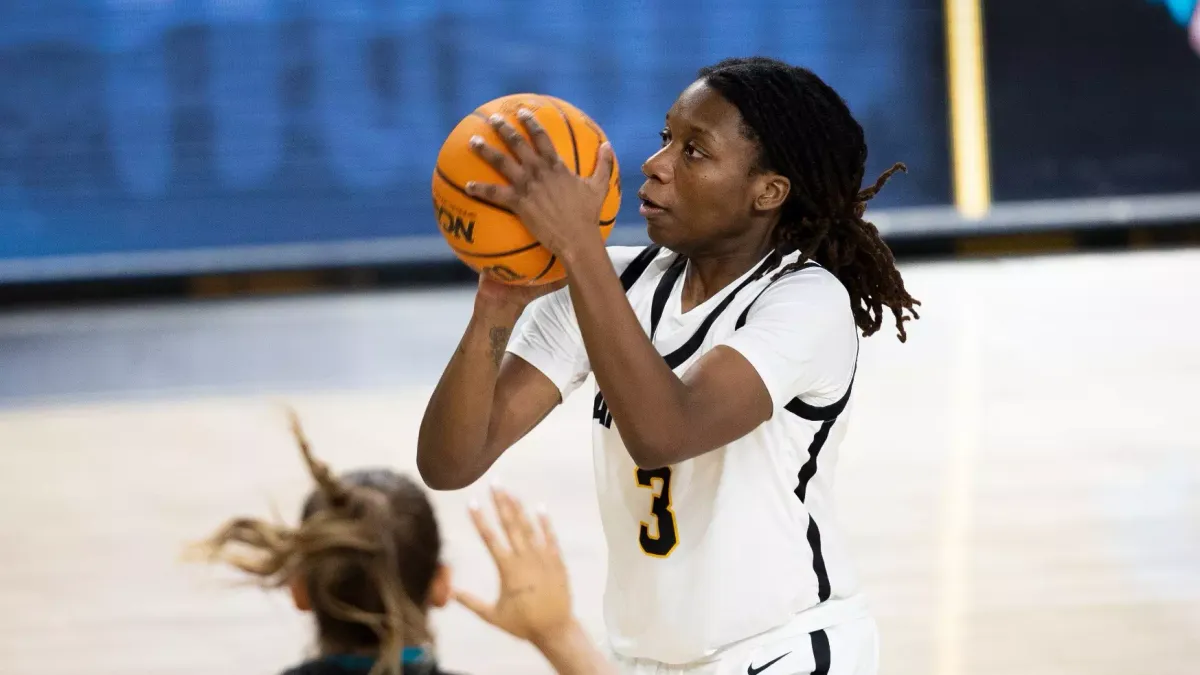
<point x="1092" y="99"/>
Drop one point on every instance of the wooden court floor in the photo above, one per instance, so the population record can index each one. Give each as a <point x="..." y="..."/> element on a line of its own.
<point x="1021" y="485"/>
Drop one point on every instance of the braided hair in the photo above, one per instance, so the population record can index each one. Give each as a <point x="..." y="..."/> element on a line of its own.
<point x="806" y="132"/>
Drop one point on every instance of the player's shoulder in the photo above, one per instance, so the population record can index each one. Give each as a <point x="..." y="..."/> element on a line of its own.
<point x="810" y="284"/>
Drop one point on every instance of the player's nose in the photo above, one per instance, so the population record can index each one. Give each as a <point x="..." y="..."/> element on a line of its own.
<point x="658" y="167"/>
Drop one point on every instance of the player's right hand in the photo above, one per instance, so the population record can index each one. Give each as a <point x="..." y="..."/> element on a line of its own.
<point x="495" y="295"/>
<point x="535" y="595"/>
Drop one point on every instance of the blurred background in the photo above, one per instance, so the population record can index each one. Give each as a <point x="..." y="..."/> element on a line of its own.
<point x="211" y="207"/>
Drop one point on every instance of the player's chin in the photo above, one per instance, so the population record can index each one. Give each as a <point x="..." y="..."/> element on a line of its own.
<point x="663" y="230"/>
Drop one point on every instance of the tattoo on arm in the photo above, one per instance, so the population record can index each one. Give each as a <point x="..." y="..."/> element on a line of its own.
<point x="498" y="337"/>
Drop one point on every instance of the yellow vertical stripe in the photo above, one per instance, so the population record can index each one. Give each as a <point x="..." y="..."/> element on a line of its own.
<point x="968" y="107"/>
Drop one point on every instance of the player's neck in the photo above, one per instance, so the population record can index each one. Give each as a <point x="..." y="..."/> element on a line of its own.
<point x="707" y="275"/>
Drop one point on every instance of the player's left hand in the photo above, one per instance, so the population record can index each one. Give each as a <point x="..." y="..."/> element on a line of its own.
<point x="559" y="208"/>
<point x="535" y="596"/>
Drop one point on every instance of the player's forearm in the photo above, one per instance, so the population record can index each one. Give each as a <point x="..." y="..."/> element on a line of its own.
<point x="647" y="400"/>
<point x="451" y="445"/>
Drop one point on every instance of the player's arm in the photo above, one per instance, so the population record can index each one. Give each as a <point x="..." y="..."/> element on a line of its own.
<point x="484" y="403"/>
<point x="665" y="419"/>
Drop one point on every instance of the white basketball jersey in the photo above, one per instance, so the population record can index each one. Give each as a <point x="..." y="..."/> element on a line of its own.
<point x="741" y="539"/>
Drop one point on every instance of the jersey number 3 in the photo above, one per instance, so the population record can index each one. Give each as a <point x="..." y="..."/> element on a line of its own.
<point x="663" y="542"/>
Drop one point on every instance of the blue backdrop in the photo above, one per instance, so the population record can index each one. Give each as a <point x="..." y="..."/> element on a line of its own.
<point x="156" y="125"/>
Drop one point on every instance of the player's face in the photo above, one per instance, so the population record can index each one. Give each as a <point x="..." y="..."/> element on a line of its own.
<point x="700" y="187"/>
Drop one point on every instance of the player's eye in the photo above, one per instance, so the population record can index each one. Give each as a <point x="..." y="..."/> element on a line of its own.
<point x="692" y="152"/>
<point x="665" y="136"/>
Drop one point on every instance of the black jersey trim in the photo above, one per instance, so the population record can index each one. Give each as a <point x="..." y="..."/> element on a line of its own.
<point x="629" y="276"/>
<point x="746" y="312"/>
<point x="822" y="654"/>
<point x="825" y="413"/>
<point x="803" y="478"/>
<point x="815" y="413"/>
<point x="637" y="266"/>
<point x="687" y="349"/>
<point x="809" y="470"/>
<point x="665" y="284"/>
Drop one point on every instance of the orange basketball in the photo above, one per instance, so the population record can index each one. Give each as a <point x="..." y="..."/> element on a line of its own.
<point x="486" y="236"/>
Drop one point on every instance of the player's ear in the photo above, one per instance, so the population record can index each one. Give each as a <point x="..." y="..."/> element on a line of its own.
<point x="299" y="589"/>
<point x="771" y="191"/>
<point x="441" y="589"/>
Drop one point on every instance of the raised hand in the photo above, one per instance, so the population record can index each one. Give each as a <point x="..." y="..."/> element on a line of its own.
<point x="559" y="208"/>
<point x="535" y="596"/>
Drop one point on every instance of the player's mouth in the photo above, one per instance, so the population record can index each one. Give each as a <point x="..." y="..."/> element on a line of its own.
<point x="648" y="207"/>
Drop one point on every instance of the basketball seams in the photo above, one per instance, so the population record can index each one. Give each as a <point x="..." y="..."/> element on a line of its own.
<point x="532" y="264"/>
<point x="463" y="191"/>
<point x="501" y="254"/>
<point x="549" y="266"/>
<point x="600" y="139"/>
<point x="570" y="130"/>
<point x="615" y="182"/>
<point x="574" y="147"/>
<point x="526" y="261"/>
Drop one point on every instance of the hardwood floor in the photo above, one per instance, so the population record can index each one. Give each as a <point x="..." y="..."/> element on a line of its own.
<point x="1021" y="486"/>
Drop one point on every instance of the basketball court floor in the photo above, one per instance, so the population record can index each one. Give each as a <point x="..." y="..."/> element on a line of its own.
<point x="1021" y="484"/>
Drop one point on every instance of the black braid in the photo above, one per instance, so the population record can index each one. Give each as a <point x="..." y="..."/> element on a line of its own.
<point x="806" y="132"/>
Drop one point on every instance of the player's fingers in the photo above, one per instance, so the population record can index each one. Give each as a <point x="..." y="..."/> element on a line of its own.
<point x="477" y="605"/>
<point x="502" y="196"/>
<point x="541" y="140"/>
<point x="498" y="273"/>
<point x="494" y="546"/>
<point x="506" y="511"/>
<point x="520" y="521"/>
<point x="498" y="160"/>
<point x="524" y="153"/>
<point x="606" y="160"/>
<point x="549" y="537"/>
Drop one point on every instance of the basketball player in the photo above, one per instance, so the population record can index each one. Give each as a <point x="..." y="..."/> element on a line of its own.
<point x="724" y="354"/>
<point x="365" y="560"/>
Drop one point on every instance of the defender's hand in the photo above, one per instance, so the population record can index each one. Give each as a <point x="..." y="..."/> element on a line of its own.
<point x="535" y="596"/>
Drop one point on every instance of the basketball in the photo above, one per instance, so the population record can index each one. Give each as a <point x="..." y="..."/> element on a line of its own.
<point x="489" y="237"/>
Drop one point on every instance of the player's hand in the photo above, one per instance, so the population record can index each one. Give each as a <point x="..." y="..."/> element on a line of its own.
<point x="493" y="294"/>
<point x="559" y="208"/>
<point x="535" y="596"/>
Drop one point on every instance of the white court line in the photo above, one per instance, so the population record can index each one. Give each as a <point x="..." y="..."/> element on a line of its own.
<point x="955" y="518"/>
